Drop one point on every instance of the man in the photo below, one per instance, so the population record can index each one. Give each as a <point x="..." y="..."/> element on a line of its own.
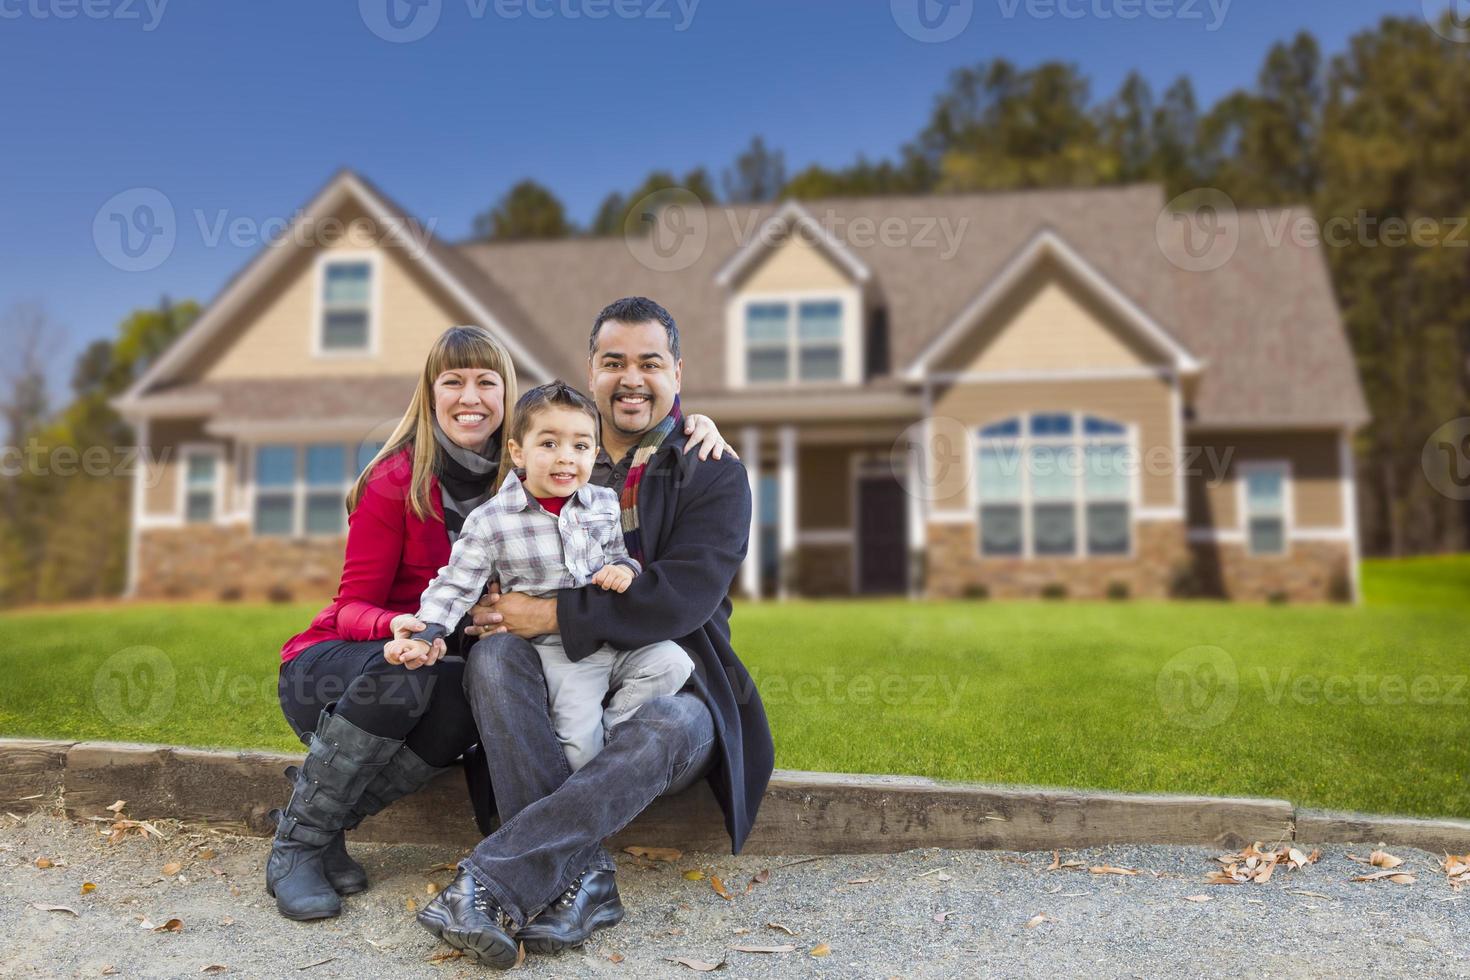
<point x="687" y="520"/>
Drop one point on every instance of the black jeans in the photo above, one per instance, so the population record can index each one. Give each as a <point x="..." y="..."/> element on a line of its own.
<point x="553" y="822"/>
<point x="425" y="708"/>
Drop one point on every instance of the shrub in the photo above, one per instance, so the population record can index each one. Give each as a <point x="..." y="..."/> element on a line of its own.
<point x="1185" y="581"/>
<point x="977" y="590"/>
<point x="231" y="593"/>
<point x="279" y="593"/>
<point x="1118" y="591"/>
<point x="1340" y="586"/>
<point x="1277" y="597"/>
<point x="1054" y="590"/>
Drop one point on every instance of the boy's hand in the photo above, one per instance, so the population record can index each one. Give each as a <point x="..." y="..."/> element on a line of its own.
<point x="412" y="654"/>
<point x="405" y="625"/>
<point x="614" y="578"/>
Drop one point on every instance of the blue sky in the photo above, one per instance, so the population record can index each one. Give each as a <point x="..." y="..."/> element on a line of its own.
<point x="242" y="110"/>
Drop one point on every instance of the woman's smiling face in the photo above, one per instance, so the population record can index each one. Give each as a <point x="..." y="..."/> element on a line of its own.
<point x="470" y="405"/>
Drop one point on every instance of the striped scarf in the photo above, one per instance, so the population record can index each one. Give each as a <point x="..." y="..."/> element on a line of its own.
<point x="652" y="439"/>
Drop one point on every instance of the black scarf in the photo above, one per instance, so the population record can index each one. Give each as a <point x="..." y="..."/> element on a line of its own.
<point x="466" y="478"/>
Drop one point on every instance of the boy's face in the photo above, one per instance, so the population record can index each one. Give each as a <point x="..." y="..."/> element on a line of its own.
<point x="560" y="446"/>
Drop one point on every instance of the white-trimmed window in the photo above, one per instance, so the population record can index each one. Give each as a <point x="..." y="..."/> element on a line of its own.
<point x="302" y="490"/>
<point x="346" y="305"/>
<point x="796" y="339"/>
<point x="1265" y="502"/>
<point x="202" y="479"/>
<point x="1055" y="484"/>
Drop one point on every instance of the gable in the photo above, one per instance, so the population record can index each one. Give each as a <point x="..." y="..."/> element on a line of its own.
<point x="1048" y="323"/>
<point x="794" y="264"/>
<point x="274" y="333"/>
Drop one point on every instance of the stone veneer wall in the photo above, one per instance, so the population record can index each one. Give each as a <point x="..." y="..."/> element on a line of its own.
<point x="956" y="569"/>
<point x="213" y="563"/>
<point x="1311" y="571"/>
<point x="823" y="569"/>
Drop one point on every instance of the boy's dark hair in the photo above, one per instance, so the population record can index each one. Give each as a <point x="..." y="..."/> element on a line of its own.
<point x="553" y="394"/>
<point x="636" y="309"/>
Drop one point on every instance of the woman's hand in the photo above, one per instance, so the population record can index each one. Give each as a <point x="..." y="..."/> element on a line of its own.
<point x="704" y="435"/>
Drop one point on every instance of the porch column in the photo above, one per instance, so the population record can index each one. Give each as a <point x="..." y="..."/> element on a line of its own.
<point x="913" y="488"/>
<point x="750" y="572"/>
<point x="786" y="481"/>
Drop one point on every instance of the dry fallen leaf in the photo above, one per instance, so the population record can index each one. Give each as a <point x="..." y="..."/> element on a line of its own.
<point x="694" y="874"/>
<point x="1108" y="869"/>
<point x="614" y="957"/>
<point x="785" y="948"/>
<point x="520" y="956"/>
<point x="54" y="908"/>
<point x="1378" y="859"/>
<point x="699" y="965"/>
<point x="1057" y="864"/>
<point x="109" y="970"/>
<point x="45" y="863"/>
<point x="1457" y="870"/>
<point x="939" y="917"/>
<point x="444" y="956"/>
<point x="1397" y="877"/>
<point x="719" y="887"/>
<point x="118" y="806"/>
<point x="431" y="889"/>
<point x="786" y="929"/>
<point x="1038" y="919"/>
<point x="861" y="881"/>
<point x="821" y="949"/>
<point x="207" y="854"/>
<point x="172" y="868"/>
<point x="655" y="853"/>
<point x="172" y="925"/>
<point x="1197" y="898"/>
<point x="410" y="904"/>
<point x="759" y="878"/>
<point x="214" y="968"/>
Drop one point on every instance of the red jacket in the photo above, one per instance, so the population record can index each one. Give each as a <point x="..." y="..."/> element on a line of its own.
<point x="392" y="555"/>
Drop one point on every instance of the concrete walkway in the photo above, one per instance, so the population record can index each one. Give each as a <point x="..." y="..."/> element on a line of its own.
<point x="919" y="913"/>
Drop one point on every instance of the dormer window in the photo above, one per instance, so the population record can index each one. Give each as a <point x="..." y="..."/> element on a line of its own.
<point x="347" y="288"/>
<point x="799" y="340"/>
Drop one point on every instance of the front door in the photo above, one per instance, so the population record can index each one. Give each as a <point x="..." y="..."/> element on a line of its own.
<point x="882" y="551"/>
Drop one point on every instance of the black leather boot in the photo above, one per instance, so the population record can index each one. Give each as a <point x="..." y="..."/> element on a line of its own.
<point x="589" y="904"/>
<point x="340" y="762"/>
<point x="466" y="917"/>
<point x="405" y="773"/>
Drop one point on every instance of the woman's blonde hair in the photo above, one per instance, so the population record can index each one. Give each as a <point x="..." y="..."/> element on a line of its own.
<point x="458" y="348"/>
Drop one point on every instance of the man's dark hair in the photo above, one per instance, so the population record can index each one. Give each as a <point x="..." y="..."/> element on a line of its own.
<point x="636" y="309"/>
<point x="553" y="394"/>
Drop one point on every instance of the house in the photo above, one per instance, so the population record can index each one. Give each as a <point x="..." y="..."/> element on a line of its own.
<point x="1040" y="402"/>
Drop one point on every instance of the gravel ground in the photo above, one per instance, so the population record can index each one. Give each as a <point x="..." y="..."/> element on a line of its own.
<point x="877" y="914"/>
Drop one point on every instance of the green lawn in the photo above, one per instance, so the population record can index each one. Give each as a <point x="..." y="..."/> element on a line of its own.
<point x="1360" y="708"/>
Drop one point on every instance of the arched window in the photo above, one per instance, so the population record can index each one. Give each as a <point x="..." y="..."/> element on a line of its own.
<point x="1055" y="484"/>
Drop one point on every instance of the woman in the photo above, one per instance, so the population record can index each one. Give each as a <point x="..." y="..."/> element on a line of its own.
<point x="375" y="730"/>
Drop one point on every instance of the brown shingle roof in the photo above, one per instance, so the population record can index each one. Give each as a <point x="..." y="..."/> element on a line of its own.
<point x="1265" y="323"/>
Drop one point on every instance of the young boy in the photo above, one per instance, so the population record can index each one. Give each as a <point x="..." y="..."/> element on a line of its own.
<point x="546" y="530"/>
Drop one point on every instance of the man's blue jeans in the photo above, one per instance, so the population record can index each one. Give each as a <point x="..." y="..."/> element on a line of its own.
<point x="553" y="822"/>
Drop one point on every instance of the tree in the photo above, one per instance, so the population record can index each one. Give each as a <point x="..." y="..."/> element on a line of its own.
<point x="757" y="175"/>
<point x="612" y="214"/>
<point x="527" y="210"/>
<point x="25" y="330"/>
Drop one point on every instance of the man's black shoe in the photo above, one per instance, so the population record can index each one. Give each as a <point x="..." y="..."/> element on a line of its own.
<point x="591" y="903"/>
<point x="467" y="918"/>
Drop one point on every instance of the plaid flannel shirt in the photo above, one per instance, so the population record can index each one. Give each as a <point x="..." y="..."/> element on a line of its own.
<point x="513" y="539"/>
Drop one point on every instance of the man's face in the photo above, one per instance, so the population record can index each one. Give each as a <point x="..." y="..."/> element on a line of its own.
<point x="633" y="376"/>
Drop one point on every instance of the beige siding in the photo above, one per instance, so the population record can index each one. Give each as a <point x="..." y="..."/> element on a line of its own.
<point x="274" y="335"/>
<point x="1316" y="474"/>
<point x="167" y="438"/>
<point x="1048" y="323"/>
<point x="793" y="265"/>
<point x="962" y="407"/>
